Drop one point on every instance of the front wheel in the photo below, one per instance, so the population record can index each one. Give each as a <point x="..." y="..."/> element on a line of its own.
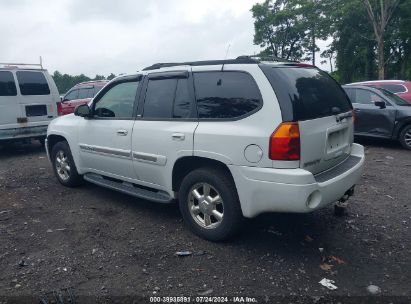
<point x="63" y="165"/>
<point x="209" y="204"/>
<point x="405" y="137"/>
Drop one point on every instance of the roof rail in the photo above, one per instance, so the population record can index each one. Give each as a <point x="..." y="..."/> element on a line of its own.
<point x="12" y="64"/>
<point x="266" y="58"/>
<point x="239" y="60"/>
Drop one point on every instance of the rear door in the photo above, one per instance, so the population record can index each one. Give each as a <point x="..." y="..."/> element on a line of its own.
<point x="37" y="102"/>
<point x="9" y="103"/>
<point x="164" y="129"/>
<point x="313" y="99"/>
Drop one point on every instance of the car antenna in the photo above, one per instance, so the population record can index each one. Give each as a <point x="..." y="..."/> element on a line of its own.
<point x="220" y="81"/>
<point x="226" y="54"/>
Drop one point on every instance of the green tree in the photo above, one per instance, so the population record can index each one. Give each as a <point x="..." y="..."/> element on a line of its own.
<point x="380" y="13"/>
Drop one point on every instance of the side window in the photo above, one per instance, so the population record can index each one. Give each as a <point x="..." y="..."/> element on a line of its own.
<point x="159" y="98"/>
<point x="7" y="84"/>
<point x="71" y="95"/>
<point x="96" y="90"/>
<point x="32" y="83"/>
<point x="226" y="95"/>
<point x="394" y="88"/>
<point x="85" y="93"/>
<point x="118" y="101"/>
<point x="366" y="97"/>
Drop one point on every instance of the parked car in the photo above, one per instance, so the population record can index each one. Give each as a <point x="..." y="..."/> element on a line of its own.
<point x="380" y="113"/>
<point x="80" y="94"/>
<point x="28" y="101"/>
<point x="228" y="138"/>
<point x="399" y="87"/>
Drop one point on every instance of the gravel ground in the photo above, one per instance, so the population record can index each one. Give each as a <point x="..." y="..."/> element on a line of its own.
<point x="105" y="244"/>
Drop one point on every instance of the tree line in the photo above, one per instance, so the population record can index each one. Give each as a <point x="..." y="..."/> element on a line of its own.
<point x="371" y="39"/>
<point x="65" y="82"/>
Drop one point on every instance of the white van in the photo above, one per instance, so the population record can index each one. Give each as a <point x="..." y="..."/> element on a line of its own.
<point x="28" y="101"/>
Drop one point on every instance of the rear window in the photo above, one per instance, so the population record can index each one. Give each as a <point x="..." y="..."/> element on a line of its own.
<point x="7" y="85"/>
<point x="306" y="93"/>
<point x="226" y="95"/>
<point x="394" y="88"/>
<point x="32" y="83"/>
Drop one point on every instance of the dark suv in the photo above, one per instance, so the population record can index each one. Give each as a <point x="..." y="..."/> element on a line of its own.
<point x="80" y="94"/>
<point x="380" y="113"/>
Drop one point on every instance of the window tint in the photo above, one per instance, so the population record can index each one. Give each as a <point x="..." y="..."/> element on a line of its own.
<point x="32" y="83"/>
<point x="225" y="94"/>
<point x="118" y="101"/>
<point x="86" y="93"/>
<point x="305" y="93"/>
<point x="7" y="85"/>
<point x="183" y="101"/>
<point x="71" y="95"/>
<point x="394" y="88"/>
<point x="365" y="97"/>
<point x="159" y="98"/>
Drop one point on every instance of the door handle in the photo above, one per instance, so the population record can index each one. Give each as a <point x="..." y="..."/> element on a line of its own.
<point x="122" y="132"/>
<point x="357" y="110"/>
<point x="178" y="136"/>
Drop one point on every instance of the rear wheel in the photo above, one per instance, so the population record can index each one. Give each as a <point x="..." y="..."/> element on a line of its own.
<point x="405" y="137"/>
<point x="63" y="165"/>
<point x="209" y="204"/>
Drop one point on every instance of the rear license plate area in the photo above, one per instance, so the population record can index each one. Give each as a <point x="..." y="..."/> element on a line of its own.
<point x="337" y="140"/>
<point x="36" y="110"/>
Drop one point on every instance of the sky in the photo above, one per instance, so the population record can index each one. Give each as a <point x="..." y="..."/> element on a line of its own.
<point x="123" y="36"/>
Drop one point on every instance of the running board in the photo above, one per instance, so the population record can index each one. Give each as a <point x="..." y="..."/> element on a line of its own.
<point x="129" y="188"/>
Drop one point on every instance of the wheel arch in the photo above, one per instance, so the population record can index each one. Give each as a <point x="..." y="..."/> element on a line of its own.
<point x="186" y="164"/>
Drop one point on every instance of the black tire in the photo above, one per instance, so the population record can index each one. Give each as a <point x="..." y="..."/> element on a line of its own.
<point x="224" y="185"/>
<point x="405" y="135"/>
<point x="73" y="179"/>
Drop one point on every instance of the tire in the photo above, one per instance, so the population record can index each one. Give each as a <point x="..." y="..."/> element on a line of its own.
<point x="63" y="165"/>
<point x="227" y="207"/>
<point x="42" y="141"/>
<point x="405" y="137"/>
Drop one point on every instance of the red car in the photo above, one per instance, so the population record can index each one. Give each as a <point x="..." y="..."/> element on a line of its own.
<point x="399" y="87"/>
<point x="80" y="94"/>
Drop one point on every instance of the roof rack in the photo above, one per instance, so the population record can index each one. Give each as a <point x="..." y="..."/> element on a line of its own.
<point x="12" y="64"/>
<point x="245" y="59"/>
<point x="239" y="60"/>
<point x="266" y="58"/>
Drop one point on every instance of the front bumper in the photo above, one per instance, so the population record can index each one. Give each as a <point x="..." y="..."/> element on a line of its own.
<point x="23" y="133"/>
<point x="264" y="190"/>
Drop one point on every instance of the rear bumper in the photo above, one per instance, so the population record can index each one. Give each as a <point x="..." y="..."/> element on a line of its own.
<point x="264" y="190"/>
<point x="23" y="133"/>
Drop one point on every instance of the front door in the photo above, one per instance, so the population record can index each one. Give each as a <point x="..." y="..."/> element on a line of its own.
<point x="369" y="118"/>
<point x="105" y="139"/>
<point x="164" y="131"/>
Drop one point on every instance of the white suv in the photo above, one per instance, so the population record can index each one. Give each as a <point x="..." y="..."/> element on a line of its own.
<point x="228" y="138"/>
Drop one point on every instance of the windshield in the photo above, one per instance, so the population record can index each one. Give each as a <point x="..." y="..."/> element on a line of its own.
<point x="394" y="98"/>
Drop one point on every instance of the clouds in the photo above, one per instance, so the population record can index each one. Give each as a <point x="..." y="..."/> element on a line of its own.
<point x="103" y="36"/>
<point x="123" y="36"/>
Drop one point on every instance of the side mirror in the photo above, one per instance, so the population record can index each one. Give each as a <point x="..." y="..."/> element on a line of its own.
<point x="82" y="111"/>
<point x="380" y="104"/>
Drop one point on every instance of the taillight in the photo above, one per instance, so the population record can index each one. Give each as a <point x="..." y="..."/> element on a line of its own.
<point x="59" y="108"/>
<point x="285" y="142"/>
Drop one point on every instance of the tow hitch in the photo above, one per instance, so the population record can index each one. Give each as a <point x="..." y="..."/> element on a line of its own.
<point x="340" y="206"/>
